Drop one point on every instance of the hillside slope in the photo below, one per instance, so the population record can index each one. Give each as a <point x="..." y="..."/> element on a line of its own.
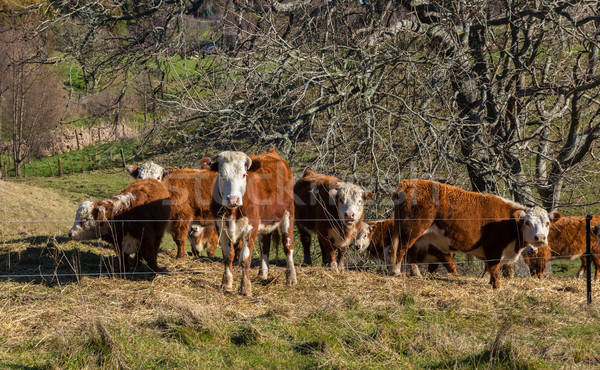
<point x="30" y="211"/>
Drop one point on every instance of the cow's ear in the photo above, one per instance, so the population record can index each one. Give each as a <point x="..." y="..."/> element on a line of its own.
<point x="333" y="193"/>
<point x="210" y="164"/>
<point x="519" y="215"/>
<point x="133" y="170"/>
<point x="367" y="195"/>
<point x="555" y="216"/>
<point x="167" y="171"/>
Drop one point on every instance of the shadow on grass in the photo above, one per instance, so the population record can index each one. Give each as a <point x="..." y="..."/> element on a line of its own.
<point x="46" y="261"/>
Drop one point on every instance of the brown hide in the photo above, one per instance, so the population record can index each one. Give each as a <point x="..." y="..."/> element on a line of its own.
<point x="566" y="240"/>
<point x="381" y="238"/>
<point x="316" y="213"/>
<point x="191" y="195"/>
<point x="473" y="223"/>
<point x="145" y="219"/>
<point x="208" y="236"/>
<point x="268" y="201"/>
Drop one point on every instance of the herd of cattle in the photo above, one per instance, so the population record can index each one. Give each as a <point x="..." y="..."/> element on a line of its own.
<point x="237" y="198"/>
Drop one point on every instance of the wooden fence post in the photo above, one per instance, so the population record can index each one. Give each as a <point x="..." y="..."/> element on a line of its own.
<point x="81" y="163"/>
<point x="5" y="171"/>
<point x="60" y="170"/>
<point x="72" y="167"/>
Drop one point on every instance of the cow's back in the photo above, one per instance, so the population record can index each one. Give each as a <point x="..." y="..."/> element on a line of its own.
<point x="469" y="219"/>
<point x="191" y="193"/>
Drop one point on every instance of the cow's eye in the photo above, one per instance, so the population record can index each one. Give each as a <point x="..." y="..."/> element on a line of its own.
<point x="244" y="175"/>
<point x="547" y="223"/>
<point x="528" y="223"/>
<point x="360" y="202"/>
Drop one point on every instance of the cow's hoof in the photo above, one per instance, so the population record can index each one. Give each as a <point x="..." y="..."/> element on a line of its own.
<point x="291" y="278"/>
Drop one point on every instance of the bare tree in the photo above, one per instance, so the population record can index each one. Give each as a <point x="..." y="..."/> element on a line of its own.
<point x="498" y="95"/>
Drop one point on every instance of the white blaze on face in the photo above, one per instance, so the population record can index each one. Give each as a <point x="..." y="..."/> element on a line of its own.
<point x="84" y="225"/>
<point x="350" y="200"/>
<point x="194" y="236"/>
<point x="363" y="236"/>
<point x="536" y="226"/>
<point x="150" y="170"/>
<point x="231" y="182"/>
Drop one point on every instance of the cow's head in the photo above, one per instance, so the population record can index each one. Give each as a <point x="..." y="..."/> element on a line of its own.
<point x="89" y="222"/>
<point x="363" y="236"/>
<point x="148" y="170"/>
<point x="231" y="181"/>
<point x="349" y="200"/>
<point x="535" y="225"/>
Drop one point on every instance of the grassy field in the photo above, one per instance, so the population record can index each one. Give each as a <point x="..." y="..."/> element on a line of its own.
<point x="62" y="306"/>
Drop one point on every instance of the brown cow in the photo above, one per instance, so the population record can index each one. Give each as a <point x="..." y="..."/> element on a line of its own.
<point x="332" y="209"/>
<point x="487" y="226"/>
<point x="566" y="240"/>
<point x="203" y="237"/>
<point x="190" y="192"/>
<point x="252" y="196"/>
<point x="376" y="238"/>
<point x="133" y="221"/>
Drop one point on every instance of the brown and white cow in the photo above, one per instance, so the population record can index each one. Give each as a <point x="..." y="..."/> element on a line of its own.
<point x="376" y="238"/>
<point x="332" y="209"/>
<point x="203" y="237"/>
<point x="566" y="240"/>
<point x="133" y="221"/>
<point x="190" y="193"/>
<point x="487" y="226"/>
<point x="252" y="196"/>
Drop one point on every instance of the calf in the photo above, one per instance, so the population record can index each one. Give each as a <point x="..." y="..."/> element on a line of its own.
<point x="190" y="192"/>
<point x="133" y="221"/>
<point x="487" y="226"/>
<point x="332" y="209"/>
<point x="376" y="238"/>
<point x="203" y="237"/>
<point x="566" y="240"/>
<point x="252" y="196"/>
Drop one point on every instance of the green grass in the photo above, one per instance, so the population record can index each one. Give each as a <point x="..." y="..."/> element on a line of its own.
<point x="90" y="158"/>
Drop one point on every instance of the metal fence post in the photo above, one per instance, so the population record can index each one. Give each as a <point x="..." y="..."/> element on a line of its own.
<point x="588" y="257"/>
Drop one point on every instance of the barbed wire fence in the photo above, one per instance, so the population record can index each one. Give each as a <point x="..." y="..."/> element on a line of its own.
<point x="356" y="260"/>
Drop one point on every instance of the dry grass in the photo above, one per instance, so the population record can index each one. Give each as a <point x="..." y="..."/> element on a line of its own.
<point x="56" y="311"/>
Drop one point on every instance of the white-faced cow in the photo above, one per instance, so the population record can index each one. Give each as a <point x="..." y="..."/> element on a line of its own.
<point x="190" y="192"/>
<point x="487" y="226"/>
<point x="203" y="237"/>
<point x="332" y="209"/>
<point x="376" y="238"/>
<point x="252" y="196"/>
<point x="133" y="221"/>
<point x="566" y="240"/>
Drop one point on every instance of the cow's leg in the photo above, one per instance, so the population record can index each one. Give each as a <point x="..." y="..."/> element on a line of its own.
<point x="328" y="253"/>
<point x="179" y="231"/>
<point x="596" y="262"/>
<point x="245" y="260"/>
<point x="583" y="267"/>
<point x="286" y="235"/>
<point x="264" y="241"/>
<point x="213" y="241"/>
<point x="341" y="253"/>
<point x="228" y="255"/>
<point x="305" y="239"/>
<point x="493" y="268"/>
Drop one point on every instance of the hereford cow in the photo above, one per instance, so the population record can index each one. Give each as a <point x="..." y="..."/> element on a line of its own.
<point x="332" y="209"/>
<point x="566" y="240"/>
<point x="133" y="221"/>
<point x="203" y="237"/>
<point x="487" y="226"/>
<point x="190" y="192"/>
<point x="376" y="238"/>
<point x="252" y="196"/>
